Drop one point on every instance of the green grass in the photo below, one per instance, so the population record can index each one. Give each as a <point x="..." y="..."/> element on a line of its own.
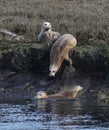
<point x="88" y="20"/>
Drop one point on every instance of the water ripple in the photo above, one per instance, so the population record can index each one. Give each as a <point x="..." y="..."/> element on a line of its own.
<point x="53" y="115"/>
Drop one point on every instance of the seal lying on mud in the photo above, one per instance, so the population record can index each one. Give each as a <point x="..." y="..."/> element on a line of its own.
<point x="59" y="52"/>
<point x="47" y="35"/>
<point x="69" y="94"/>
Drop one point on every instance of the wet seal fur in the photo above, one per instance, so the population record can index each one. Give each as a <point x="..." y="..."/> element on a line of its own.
<point x="47" y="35"/>
<point x="59" y="52"/>
<point x="67" y="94"/>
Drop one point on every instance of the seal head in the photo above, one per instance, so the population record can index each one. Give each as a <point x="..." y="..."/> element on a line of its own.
<point x="41" y="94"/>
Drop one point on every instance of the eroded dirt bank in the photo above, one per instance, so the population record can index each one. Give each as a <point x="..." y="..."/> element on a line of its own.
<point x="24" y="71"/>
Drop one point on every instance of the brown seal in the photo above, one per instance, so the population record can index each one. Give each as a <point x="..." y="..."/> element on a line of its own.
<point x="60" y="52"/>
<point x="69" y="94"/>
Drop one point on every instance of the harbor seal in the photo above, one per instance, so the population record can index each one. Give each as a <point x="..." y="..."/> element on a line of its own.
<point x="103" y="94"/>
<point x="47" y="35"/>
<point x="67" y="94"/>
<point x="59" y="52"/>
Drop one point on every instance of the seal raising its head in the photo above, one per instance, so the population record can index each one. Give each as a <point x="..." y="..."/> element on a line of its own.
<point x="46" y="26"/>
<point x="47" y="35"/>
<point x="59" y="52"/>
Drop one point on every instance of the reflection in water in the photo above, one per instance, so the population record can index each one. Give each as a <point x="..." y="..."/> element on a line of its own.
<point x="54" y="114"/>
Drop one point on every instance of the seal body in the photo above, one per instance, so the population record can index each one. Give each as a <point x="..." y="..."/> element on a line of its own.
<point x="67" y="94"/>
<point x="47" y="35"/>
<point x="59" y="52"/>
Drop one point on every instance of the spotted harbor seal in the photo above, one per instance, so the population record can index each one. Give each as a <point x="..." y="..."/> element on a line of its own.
<point x="103" y="94"/>
<point x="69" y="94"/>
<point x="59" y="52"/>
<point x="47" y="35"/>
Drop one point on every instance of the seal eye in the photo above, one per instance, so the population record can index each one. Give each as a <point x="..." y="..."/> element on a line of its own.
<point x="45" y="24"/>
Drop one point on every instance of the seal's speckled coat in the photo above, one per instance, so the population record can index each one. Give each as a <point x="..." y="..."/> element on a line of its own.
<point x="59" y="52"/>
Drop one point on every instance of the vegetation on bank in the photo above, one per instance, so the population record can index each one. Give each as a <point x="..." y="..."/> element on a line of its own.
<point x="88" y="20"/>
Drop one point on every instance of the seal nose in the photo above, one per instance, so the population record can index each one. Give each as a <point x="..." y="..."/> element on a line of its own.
<point x="52" y="74"/>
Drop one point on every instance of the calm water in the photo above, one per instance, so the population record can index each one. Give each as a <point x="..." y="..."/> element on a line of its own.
<point x="54" y="115"/>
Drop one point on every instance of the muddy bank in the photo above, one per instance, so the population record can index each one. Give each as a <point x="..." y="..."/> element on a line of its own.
<point x="24" y="71"/>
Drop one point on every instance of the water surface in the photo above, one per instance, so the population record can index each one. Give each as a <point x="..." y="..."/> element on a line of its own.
<point x="54" y="115"/>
